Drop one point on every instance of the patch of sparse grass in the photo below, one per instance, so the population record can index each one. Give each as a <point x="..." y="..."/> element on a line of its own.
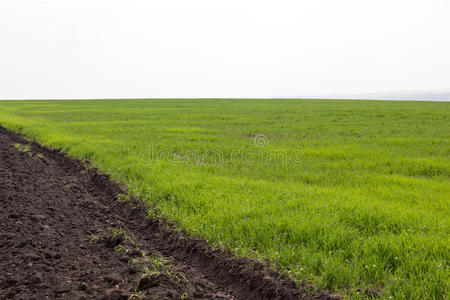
<point x="151" y="214"/>
<point x="120" y="248"/>
<point x="94" y="238"/>
<point x="157" y="262"/>
<point x="123" y="198"/>
<point x="347" y="195"/>
<point x="119" y="231"/>
<point x="153" y="264"/>
<point x="22" y="147"/>
<point x="26" y="148"/>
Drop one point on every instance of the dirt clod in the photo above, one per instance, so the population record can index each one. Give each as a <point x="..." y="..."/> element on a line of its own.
<point x="116" y="294"/>
<point x="133" y="253"/>
<point x="113" y="278"/>
<point x="148" y="281"/>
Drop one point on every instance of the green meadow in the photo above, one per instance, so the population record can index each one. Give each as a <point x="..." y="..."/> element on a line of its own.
<point x="346" y="195"/>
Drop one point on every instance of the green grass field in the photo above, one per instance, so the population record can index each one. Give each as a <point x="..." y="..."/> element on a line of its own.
<point x="341" y="194"/>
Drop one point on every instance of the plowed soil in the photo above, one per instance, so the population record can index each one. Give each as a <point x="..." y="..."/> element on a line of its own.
<point x="67" y="233"/>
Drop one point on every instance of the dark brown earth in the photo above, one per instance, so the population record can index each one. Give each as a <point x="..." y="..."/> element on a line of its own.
<point x="67" y="233"/>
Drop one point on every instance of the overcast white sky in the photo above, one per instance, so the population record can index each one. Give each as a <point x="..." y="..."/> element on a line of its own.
<point x="233" y="48"/>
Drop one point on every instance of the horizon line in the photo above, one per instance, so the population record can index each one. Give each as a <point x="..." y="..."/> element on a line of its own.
<point x="226" y="98"/>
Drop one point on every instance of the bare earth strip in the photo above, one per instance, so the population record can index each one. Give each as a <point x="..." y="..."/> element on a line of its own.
<point x="63" y="234"/>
